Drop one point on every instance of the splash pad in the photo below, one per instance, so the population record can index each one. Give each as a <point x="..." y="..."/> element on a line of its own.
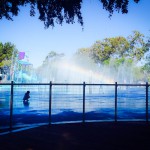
<point x="67" y="99"/>
<point x="72" y="71"/>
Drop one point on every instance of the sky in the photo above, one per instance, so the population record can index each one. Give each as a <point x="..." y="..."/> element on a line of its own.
<point x="29" y="35"/>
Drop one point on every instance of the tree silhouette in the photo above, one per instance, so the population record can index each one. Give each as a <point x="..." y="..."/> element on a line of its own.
<point x="58" y="11"/>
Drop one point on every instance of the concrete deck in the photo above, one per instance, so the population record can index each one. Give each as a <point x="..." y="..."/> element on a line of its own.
<point x="90" y="136"/>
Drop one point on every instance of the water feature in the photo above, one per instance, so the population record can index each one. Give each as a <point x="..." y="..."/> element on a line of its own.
<point x="67" y="100"/>
<point x="67" y="105"/>
<point x="77" y="70"/>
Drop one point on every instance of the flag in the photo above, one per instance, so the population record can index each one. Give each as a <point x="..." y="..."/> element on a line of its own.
<point x="21" y="55"/>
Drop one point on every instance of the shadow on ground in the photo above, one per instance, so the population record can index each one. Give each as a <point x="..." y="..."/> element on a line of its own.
<point x="88" y="136"/>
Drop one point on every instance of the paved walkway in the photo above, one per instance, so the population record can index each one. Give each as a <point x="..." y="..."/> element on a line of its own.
<point x="91" y="136"/>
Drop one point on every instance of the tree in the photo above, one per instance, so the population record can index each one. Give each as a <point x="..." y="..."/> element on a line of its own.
<point x="146" y="67"/>
<point x="138" y="46"/>
<point x="53" y="56"/>
<point x="115" y="47"/>
<point x="48" y="70"/>
<point x="6" y="52"/>
<point x="123" y="49"/>
<point x="83" y="58"/>
<point x="119" y="56"/>
<point x="58" y="11"/>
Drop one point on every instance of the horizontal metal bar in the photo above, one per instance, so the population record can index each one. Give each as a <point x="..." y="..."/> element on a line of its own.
<point x="89" y="84"/>
<point x="100" y="84"/>
<point x="132" y="84"/>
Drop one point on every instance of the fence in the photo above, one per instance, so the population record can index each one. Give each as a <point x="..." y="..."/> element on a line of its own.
<point x="58" y="103"/>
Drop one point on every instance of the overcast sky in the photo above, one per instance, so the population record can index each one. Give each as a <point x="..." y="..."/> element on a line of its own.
<point x="29" y="35"/>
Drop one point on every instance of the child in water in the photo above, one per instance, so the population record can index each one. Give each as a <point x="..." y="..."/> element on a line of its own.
<point x="26" y="96"/>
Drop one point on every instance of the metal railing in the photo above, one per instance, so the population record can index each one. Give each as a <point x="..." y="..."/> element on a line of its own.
<point x="84" y="102"/>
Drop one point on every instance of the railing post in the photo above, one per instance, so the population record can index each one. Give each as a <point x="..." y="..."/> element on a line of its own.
<point x="83" y="117"/>
<point x="146" y="101"/>
<point x="116" y="101"/>
<point x="11" y="105"/>
<point x="50" y="103"/>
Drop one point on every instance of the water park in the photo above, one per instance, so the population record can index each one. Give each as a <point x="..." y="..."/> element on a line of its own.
<point x="84" y="86"/>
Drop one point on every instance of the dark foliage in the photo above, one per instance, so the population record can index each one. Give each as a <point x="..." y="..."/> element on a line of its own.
<point x="57" y="11"/>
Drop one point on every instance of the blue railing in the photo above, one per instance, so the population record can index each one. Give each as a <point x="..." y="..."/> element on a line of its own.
<point x="62" y="102"/>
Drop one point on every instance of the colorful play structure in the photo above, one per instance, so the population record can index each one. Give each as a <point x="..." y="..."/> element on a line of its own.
<point x="20" y="71"/>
